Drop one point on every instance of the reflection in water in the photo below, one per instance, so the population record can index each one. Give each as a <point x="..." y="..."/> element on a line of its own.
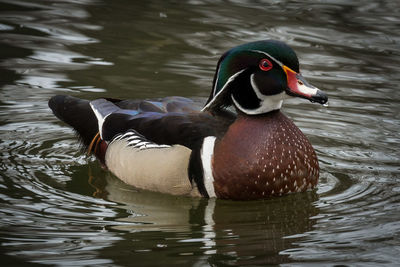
<point x="53" y="202"/>
<point x="207" y="231"/>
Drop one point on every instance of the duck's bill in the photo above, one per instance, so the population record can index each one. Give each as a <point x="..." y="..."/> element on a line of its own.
<point x="298" y="86"/>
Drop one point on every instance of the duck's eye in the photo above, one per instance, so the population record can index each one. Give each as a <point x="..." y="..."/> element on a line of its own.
<point x="265" y="64"/>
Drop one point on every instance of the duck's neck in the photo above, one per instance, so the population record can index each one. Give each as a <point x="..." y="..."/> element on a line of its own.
<point x="263" y="155"/>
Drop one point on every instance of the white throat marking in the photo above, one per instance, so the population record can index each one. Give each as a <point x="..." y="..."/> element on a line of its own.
<point x="267" y="103"/>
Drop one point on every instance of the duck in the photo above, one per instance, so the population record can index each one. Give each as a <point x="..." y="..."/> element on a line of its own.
<point x="239" y="145"/>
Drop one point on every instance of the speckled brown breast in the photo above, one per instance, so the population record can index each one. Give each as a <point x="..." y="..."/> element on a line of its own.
<point x="263" y="156"/>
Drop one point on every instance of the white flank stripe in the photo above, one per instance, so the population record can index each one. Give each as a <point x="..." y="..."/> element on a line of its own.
<point x="207" y="151"/>
<point x="102" y="109"/>
<point x="100" y="119"/>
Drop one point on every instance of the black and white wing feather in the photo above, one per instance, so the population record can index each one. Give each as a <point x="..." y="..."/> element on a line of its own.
<point x="138" y="141"/>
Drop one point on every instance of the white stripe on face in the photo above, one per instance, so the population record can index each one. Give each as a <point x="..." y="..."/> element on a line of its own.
<point x="232" y="78"/>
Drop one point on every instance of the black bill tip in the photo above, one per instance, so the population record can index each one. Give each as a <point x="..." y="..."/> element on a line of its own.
<point x="319" y="97"/>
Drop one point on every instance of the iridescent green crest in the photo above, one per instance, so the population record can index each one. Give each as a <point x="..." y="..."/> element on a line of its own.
<point x="245" y="58"/>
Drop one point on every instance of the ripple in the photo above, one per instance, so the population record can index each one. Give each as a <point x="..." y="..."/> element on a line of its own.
<point x="59" y="207"/>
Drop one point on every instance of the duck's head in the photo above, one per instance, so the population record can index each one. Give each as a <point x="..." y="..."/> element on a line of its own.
<point x="256" y="77"/>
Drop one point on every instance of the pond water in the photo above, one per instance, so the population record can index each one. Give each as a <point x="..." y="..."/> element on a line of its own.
<point x="58" y="207"/>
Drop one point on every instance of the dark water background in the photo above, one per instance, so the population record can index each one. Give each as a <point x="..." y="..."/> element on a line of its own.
<point x="57" y="207"/>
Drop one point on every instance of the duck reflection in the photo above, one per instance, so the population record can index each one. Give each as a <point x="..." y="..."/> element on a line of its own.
<point x="205" y="231"/>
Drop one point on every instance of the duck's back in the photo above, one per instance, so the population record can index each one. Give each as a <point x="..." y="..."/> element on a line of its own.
<point x="171" y="120"/>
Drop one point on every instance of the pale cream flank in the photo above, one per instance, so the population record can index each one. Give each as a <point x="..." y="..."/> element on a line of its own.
<point x="162" y="170"/>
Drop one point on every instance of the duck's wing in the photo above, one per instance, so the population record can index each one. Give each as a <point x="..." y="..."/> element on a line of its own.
<point x="160" y="105"/>
<point x="168" y="128"/>
<point x="173" y="120"/>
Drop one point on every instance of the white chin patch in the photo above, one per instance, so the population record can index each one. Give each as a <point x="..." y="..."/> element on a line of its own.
<point x="267" y="102"/>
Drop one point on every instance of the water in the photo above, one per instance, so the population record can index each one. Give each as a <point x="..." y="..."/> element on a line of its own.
<point x="59" y="207"/>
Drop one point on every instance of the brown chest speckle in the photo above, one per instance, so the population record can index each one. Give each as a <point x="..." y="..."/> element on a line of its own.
<point x="263" y="156"/>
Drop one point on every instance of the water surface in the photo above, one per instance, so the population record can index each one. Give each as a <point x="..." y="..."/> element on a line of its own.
<point x="58" y="207"/>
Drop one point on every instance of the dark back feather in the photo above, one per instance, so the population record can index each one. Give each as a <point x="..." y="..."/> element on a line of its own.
<point x="167" y="128"/>
<point x="171" y="120"/>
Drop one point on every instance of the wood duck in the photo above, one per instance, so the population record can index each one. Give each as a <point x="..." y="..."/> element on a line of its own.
<point x="238" y="146"/>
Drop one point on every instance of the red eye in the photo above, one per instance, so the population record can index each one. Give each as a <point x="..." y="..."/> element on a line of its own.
<point x="265" y="64"/>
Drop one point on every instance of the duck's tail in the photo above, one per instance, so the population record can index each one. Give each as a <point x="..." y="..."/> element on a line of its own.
<point x="78" y="114"/>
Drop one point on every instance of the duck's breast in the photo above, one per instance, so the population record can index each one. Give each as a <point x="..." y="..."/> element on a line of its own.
<point x="262" y="156"/>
